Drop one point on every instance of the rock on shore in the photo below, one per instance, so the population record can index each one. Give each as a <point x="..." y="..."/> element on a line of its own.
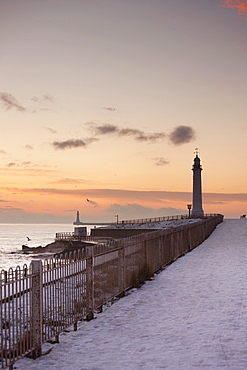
<point x="57" y="247"/>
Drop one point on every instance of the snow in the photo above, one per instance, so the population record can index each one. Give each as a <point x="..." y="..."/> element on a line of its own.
<point x="154" y="225"/>
<point x="192" y="315"/>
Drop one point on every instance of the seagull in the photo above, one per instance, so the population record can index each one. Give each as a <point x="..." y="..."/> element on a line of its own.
<point x="28" y="238"/>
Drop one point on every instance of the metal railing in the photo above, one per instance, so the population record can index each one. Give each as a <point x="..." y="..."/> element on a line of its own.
<point x="160" y="219"/>
<point x="15" y="313"/>
<point x="39" y="302"/>
<point x="153" y="219"/>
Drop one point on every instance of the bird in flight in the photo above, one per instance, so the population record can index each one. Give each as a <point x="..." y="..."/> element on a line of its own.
<point x="91" y="202"/>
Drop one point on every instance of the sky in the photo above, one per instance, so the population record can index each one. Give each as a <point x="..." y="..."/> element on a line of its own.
<point x="103" y="104"/>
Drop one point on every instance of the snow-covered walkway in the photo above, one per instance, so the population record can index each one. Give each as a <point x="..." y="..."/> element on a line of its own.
<point x="193" y="315"/>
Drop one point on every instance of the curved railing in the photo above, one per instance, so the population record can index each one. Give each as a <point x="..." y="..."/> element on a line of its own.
<point x="160" y="219"/>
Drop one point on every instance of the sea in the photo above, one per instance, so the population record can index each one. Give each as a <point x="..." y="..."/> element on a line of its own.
<point x="13" y="236"/>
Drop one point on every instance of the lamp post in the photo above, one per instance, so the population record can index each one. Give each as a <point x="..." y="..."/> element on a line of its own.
<point x="189" y="208"/>
<point x="117" y="218"/>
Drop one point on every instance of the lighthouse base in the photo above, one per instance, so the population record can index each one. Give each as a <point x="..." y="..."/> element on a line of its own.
<point x="197" y="213"/>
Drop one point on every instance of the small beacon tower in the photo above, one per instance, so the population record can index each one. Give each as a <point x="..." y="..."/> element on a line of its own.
<point x="197" y="210"/>
<point x="77" y="221"/>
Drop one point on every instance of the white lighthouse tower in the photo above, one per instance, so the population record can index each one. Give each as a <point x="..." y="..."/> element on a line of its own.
<point x="197" y="210"/>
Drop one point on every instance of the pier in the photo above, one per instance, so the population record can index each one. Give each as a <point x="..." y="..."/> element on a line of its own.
<point x="191" y="316"/>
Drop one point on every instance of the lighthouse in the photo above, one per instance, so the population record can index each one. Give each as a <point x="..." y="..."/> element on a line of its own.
<point x="197" y="210"/>
<point x="77" y="221"/>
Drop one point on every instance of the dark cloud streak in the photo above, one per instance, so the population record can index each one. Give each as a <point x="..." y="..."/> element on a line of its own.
<point x="73" y="143"/>
<point x="10" y="102"/>
<point x="106" y="129"/>
<point x="69" y="144"/>
<point x="138" y="135"/>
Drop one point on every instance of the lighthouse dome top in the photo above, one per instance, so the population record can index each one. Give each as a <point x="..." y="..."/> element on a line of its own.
<point x="197" y="162"/>
<point x="197" y="159"/>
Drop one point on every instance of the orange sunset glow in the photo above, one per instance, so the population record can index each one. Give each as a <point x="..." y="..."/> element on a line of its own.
<point x="103" y="104"/>
<point x="238" y="4"/>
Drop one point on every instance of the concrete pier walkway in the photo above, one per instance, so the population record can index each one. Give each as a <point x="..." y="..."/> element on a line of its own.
<point x="192" y="315"/>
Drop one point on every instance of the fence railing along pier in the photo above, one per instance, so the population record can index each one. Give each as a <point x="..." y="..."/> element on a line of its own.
<point x="40" y="301"/>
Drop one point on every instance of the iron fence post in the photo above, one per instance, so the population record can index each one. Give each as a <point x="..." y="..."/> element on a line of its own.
<point x="36" y="307"/>
<point x="160" y="250"/>
<point x="90" y="284"/>
<point x="121" y="269"/>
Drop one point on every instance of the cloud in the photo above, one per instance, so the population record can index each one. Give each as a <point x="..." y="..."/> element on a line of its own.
<point x="73" y="143"/>
<point x="41" y="103"/>
<point x="26" y="169"/>
<point x="69" y="144"/>
<point x="48" y="97"/>
<point x="137" y="211"/>
<point x="26" y="163"/>
<point x="109" y="108"/>
<point x="237" y="4"/>
<point x="130" y="195"/>
<point x="43" y="98"/>
<point x="106" y="129"/>
<point x="138" y="135"/>
<point x="17" y="215"/>
<point x="2" y="152"/>
<point x="68" y="181"/>
<point x="10" y="102"/>
<point x="10" y="209"/>
<point x="130" y="204"/>
<point x="142" y="136"/>
<point x="35" y="99"/>
<point x="51" y="130"/>
<point x="153" y="196"/>
<point x="10" y="164"/>
<point x="182" y="135"/>
<point x="159" y="161"/>
<point x="19" y="164"/>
